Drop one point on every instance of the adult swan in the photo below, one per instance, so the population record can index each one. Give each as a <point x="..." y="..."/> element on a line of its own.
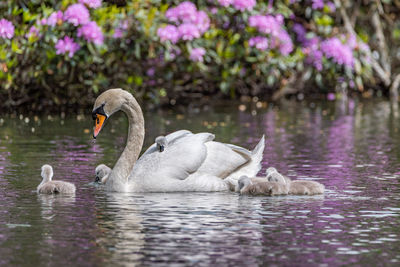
<point x="191" y="162"/>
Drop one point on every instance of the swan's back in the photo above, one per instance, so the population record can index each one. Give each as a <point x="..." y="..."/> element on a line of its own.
<point x="182" y="158"/>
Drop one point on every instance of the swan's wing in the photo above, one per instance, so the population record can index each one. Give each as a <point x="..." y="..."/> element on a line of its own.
<point x="178" y="161"/>
<point x="223" y="159"/>
<point x="242" y="151"/>
<point x="171" y="138"/>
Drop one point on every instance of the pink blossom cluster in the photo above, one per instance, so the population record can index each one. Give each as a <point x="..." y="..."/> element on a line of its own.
<point x="33" y="31"/>
<point x="6" y="29"/>
<point x="319" y="4"/>
<point x="77" y="14"/>
<point x="259" y="42"/>
<point x="91" y="32"/>
<point x="340" y="53"/>
<point x="67" y="45"/>
<point x="273" y="26"/>
<point x="241" y="5"/>
<point x="54" y="18"/>
<point x="313" y="53"/>
<point x="197" y="54"/>
<point x="190" y="22"/>
<point x="168" y="33"/>
<point x="91" y="3"/>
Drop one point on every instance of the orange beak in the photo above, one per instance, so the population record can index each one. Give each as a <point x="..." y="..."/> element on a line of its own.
<point x="100" y="119"/>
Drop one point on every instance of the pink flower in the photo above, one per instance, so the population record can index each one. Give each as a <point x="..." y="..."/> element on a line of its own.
<point x="266" y="24"/>
<point x="259" y="42"/>
<point x="91" y="32"/>
<point x="185" y="11"/>
<point x="339" y="52"/>
<point x="331" y="96"/>
<point x="242" y="5"/>
<point x="188" y="31"/>
<point x="66" y="45"/>
<point x="77" y="14"/>
<point x="91" y="3"/>
<point x="54" y="18"/>
<point x="168" y="33"/>
<point x="6" y="29"/>
<point x="150" y="72"/>
<point x="202" y="21"/>
<point x="285" y="43"/>
<point x="118" y="33"/>
<point x="331" y="6"/>
<point x="317" y="4"/>
<point x="225" y="3"/>
<point x="197" y="54"/>
<point x="33" y="31"/>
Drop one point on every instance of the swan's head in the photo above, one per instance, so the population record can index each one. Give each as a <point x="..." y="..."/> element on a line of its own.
<point x="101" y="171"/>
<point x="47" y="172"/>
<point x="161" y="143"/>
<point x="243" y="182"/>
<point x="107" y="104"/>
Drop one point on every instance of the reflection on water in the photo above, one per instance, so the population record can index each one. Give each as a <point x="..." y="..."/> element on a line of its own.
<point x="352" y="148"/>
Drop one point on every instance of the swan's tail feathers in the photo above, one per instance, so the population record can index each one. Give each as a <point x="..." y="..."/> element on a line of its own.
<point x="252" y="167"/>
<point x="259" y="149"/>
<point x="257" y="155"/>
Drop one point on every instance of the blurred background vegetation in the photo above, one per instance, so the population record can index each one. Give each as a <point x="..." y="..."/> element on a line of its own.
<point x="175" y="52"/>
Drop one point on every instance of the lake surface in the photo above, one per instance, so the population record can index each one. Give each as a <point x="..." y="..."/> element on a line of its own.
<point x="352" y="148"/>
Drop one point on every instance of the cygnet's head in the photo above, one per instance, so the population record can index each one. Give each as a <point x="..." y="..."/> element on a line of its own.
<point x="100" y="172"/>
<point x="47" y="172"/>
<point x="271" y="170"/>
<point x="161" y="143"/>
<point x="243" y="182"/>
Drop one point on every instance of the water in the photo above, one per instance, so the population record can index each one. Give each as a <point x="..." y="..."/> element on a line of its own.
<point x="352" y="149"/>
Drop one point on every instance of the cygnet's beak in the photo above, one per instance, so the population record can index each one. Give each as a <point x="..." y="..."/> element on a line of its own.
<point x="97" y="180"/>
<point x="161" y="148"/>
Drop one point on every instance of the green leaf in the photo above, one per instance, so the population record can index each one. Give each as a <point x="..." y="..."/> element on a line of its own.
<point x="15" y="48"/>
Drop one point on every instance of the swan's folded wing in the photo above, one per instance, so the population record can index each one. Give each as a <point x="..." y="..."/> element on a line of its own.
<point x="223" y="159"/>
<point x="242" y="151"/>
<point x="182" y="158"/>
<point x="171" y="138"/>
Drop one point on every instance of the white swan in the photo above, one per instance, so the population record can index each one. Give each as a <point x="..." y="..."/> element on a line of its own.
<point x="193" y="162"/>
<point x="47" y="186"/>
<point x="102" y="171"/>
<point x="297" y="187"/>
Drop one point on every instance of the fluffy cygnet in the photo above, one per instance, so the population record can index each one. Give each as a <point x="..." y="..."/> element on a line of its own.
<point x="102" y="171"/>
<point x="297" y="187"/>
<point x="161" y="142"/>
<point x="47" y="186"/>
<point x="255" y="186"/>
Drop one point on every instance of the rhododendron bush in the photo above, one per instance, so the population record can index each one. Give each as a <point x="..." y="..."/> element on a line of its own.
<point x="66" y="51"/>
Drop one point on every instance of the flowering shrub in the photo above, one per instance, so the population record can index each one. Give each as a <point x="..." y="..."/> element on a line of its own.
<point x="65" y="51"/>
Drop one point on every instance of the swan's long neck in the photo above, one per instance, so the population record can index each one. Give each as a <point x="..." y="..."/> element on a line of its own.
<point x="120" y="173"/>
